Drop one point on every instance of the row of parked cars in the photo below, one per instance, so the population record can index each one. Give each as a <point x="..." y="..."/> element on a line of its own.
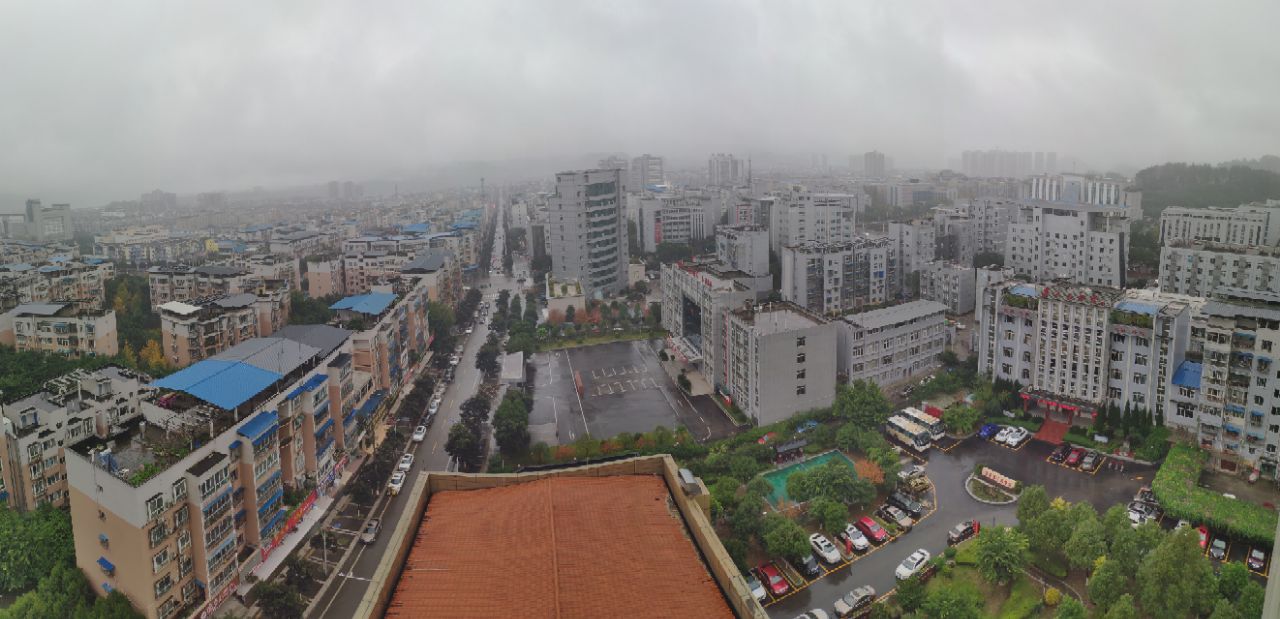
<point x="1076" y="457"/>
<point x="1011" y="436"/>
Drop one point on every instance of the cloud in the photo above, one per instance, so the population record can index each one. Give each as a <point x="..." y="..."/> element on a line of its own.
<point x="106" y="101"/>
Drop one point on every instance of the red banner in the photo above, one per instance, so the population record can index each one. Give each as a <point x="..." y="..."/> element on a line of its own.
<point x="290" y="524"/>
<point x="212" y="605"/>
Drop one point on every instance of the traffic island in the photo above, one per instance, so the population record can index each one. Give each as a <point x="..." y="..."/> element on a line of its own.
<point x="986" y="485"/>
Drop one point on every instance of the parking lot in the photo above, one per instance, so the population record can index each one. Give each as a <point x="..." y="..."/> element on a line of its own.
<point x="624" y="389"/>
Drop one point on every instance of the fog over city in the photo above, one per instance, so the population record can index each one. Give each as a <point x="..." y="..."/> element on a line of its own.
<point x="102" y="101"/>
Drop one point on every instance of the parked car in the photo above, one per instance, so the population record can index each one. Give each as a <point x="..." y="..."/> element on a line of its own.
<point x="963" y="531"/>
<point x="855" y="538"/>
<point x="824" y="548"/>
<point x="906" y="504"/>
<point x="1090" y="461"/>
<point x="454" y="360"/>
<point x="757" y="589"/>
<point x="1060" y="453"/>
<point x="1145" y="495"/>
<point x="1073" y="458"/>
<point x="434" y="407"/>
<point x="772" y="579"/>
<point x="406" y="462"/>
<point x="816" y="613"/>
<point x="1016" y="437"/>
<point x="855" y="600"/>
<point x="916" y="486"/>
<point x="764" y="440"/>
<point x="419" y="434"/>
<point x="469" y="330"/>
<point x="808" y="566"/>
<point x="911" y="564"/>
<point x="370" y="532"/>
<point x="396" y="483"/>
<point x="1003" y="434"/>
<point x="1218" y="549"/>
<point x="910" y="472"/>
<point x="1257" y="559"/>
<point x="804" y="427"/>
<point x="896" y="516"/>
<point x="988" y="430"/>
<point x="872" y="530"/>
<point x="1203" y="531"/>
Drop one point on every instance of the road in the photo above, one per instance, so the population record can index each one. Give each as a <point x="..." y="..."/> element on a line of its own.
<point x="344" y="595"/>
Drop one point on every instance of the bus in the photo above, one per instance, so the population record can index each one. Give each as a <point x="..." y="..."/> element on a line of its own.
<point x="909" y="433"/>
<point x="933" y="424"/>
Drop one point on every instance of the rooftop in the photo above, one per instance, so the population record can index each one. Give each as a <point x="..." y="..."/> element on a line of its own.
<point x="324" y="338"/>
<point x="895" y="314"/>
<point x="773" y="318"/>
<point x="584" y="547"/>
<point x="372" y="304"/>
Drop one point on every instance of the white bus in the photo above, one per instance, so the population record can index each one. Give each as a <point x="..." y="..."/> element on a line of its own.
<point x="934" y="425"/>
<point x="909" y="433"/>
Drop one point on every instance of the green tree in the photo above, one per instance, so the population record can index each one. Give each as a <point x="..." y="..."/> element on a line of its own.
<point x="1001" y="553"/>
<point x="1175" y="579"/>
<point x="1087" y="542"/>
<point x="832" y="515"/>
<point x="759" y="487"/>
<point x="910" y="594"/>
<point x="1123" y="608"/>
<point x="1115" y="521"/>
<point x="570" y="313"/>
<point x="1049" y="531"/>
<point x="308" y="311"/>
<point x="32" y="544"/>
<point x="511" y="424"/>
<point x="474" y="412"/>
<point x="961" y="419"/>
<point x="747" y="517"/>
<point x="784" y="538"/>
<point x="1251" y="598"/>
<point x="832" y="480"/>
<point x="1131" y="545"/>
<point x="725" y="490"/>
<point x="1224" y="610"/>
<point x="1232" y="577"/>
<point x="1070" y="608"/>
<point x="1108" y="582"/>
<point x="862" y="402"/>
<point x="464" y="444"/>
<point x="63" y="592"/>
<point x="278" y="600"/>
<point x="958" y="600"/>
<point x="1033" y="502"/>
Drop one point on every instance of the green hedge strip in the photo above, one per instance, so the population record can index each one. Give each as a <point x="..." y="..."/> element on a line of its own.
<point x="1176" y="486"/>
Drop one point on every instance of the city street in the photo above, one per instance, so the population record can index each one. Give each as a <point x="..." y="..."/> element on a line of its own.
<point x="344" y="595"/>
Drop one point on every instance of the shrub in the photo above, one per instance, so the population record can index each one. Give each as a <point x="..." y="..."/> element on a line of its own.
<point x="1052" y="597"/>
<point x="1175" y="486"/>
<point x="950" y="552"/>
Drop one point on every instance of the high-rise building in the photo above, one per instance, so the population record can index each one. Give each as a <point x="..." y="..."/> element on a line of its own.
<point x="950" y="284"/>
<point x="614" y="162"/>
<point x="157" y="202"/>
<point x="914" y="242"/>
<point x="782" y="361"/>
<point x="646" y="171"/>
<point x="990" y="217"/>
<point x="587" y="230"/>
<point x="1074" y="228"/>
<point x="892" y="344"/>
<point x="1006" y="164"/>
<point x="724" y="170"/>
<point x="744" y="248"/>
<point x="799" y="215"/>
<point x="873" y="165"/>
<point x="1255" y="224"/>
<point x="840" y="277"/>
<point x="1226" y="271"/>
<point x="40" y="223"/>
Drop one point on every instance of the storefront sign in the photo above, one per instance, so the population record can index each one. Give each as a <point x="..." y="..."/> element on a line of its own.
<point x="290" y="524"/>
<point x="212" y="605"/>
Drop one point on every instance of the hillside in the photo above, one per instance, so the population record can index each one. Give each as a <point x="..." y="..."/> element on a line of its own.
<point x="1182" y="184"/>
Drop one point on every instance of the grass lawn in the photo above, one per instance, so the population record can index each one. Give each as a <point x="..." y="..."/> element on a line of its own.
<point x="1017" y="601"/>
<point x="1052" y="565"/>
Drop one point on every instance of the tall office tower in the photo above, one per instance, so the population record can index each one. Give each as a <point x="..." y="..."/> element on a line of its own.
<point x="873" y="164"/>
<point x="834" y="278"/>
<point x="1071" y="227"/>
<point x="614" y="162"/>
<point x="800" y="215"/>
<point x="724" y="170"/>
<point x="646" y="170"/>
<point x="587" y="230"/>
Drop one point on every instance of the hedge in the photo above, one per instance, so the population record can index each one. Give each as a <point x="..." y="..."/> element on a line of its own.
<point x="1175" y="486"/>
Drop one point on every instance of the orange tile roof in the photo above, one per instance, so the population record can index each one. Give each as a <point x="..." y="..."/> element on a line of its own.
<point x="556" y="547"/>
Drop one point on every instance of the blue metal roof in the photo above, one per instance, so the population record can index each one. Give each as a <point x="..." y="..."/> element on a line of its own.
<point x="373" y="303"/>
<point x="1188" y="374"/>
<point x="49" y="268"/>
<point x="372" y="403"/>
<point x="259" y="424"/>
<point x="18" y="267"/>
<point x="1137" y="307"/>
<point x="226" y="384"/>
<point x="417" y="228"/>
<point x="311" y="384"/>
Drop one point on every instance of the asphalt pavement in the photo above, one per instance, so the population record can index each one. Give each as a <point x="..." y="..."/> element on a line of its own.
<point x="343" y="596"/>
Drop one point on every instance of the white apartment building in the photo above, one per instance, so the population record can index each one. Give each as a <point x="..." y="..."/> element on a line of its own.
<point x="953" y="235"/>
<point x="724" y="170"/>
<point x="673" y="218"/>
<point x="1227" y="271"/>
<point x="587" y="230"/>
<point x="1084" y="243"/>
<point x="990" y="217"/>
<point x="782" y="361"/>
<point x="1255" y="224"/>
<point x="744" y="248"/>
<point x="696" y="298"/>
<point x="646" y="171"/>
<point x="1074" y="189"/>
<point x="951" y="284"/>
<point x="915" y="243"/>
<point x="799" y="215"/>
<point x="834" y="278"/>
<point x="61" y="328"/>
<point x="892" y="344"/>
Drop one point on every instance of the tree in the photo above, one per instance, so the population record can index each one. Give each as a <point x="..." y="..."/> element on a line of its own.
<point x="32" y="544"/>
<point x="1033" y="502"/>
<point x="910" y="594"/>
<point x="832" y="480"/>
<point x="1175" y="579"/>
<point x="127" y="355"/>
<point x="1250" y="603"/>
<point x="463" y="443"/>
<point x="277" y="600"/>
<point x="309" y="311"/>
<point x="511" y="424"/>
<point x="1123" y="608"/>
<point x="1108" y="582"/>
<point x="725" y="491"/>
<point x="152" y="357"/>
<point x="570" y="313"/>
<point x="1070" y="608"/>
<point x="300" y="571"/>
<point x="747" y="518"/>
<point x="988" y="258"/>
<point x="862" y="402"/>
<point x="784" y="538"/>
<point x="1087" y="542"/>
<point x="1232" y="577"/>
<point x="1115" y="521"/>
<point x="1001" y="553"/>
<point x="1131" y="545"/>
<point x="830" y="514"/>
<point x="961" y="419"/>
<point x="1224" y="610"/>
<point x="1049" y="531"/>
<point x="474" y="412"/>
<point x="514" y="312"/>
<point x="958" y="600"/>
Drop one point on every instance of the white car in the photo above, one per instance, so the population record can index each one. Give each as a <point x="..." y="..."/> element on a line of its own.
<point x="1016" y="436"/>
<point x="469" y="330"/>
<point x="757" y="589"/>
<point x="419" y="433"/>
<point x="406" y="462"/>
<point x="824" y="548"/>
<point x="856" y="537"/>
<point x="396" y="483"/>
<point x="434" y="408"/>
<point x="912" y="564"/>
<point x="1004" y="434"/>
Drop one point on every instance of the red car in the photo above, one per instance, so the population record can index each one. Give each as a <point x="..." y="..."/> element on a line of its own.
<point x="772" y="579"/>
<point x="1074" y="457"/>
<point x="1204" y="535"/>
<point x="764" y="440"/>
<point x="873" y="531"/>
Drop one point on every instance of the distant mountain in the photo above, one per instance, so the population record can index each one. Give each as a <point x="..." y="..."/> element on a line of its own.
<point x="1200" y="185"/>
<point x="1270" y="163"/>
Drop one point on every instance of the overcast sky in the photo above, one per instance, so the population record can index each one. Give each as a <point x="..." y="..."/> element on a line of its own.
<point x="101" y="101"/>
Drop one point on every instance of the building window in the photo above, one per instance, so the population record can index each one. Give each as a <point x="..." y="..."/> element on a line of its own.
<point x="155" y="505"/>
<point x="800" y="390"/>
<point x="800" y="374"/>
<point x="800" y="341"/>
<point x="179" y="490"/>
<point x="160" y="560"/>
<point x="799" y="357"/>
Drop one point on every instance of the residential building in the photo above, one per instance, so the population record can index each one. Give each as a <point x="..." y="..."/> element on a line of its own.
<point x="953" y="285"/>
<point x="181" y="282"/>
<point x="781" y="361"/>
<point x="646" y="171"/>
<point x="990" y="217"/>
<point x="83" y="283"/>
<point x="696" y="299"/>
<point x="70" y="409"/>
<point x="587" y="231"/>
<point x="873" y="165"/>
<point x="147" y="245"/>
<point x="391" y="330"/>
<point x="324" y="276"/>
<point x="300" y="243"/>
<point x="724" y="170"/>
<point x="1256" y="224"/>
<point x="1228" y="271"/>
<point x="269" y="266"/>
<point x="673" y="218"/>
<point x="893" y="344"/>
<point x="914" y="242"/>
<point x="1010" y="164"/>
<point x="158" y="202"/>
<point x="800" y="215"/>
<point x="652" y="513"/>
<point x="200" y="328"/>
<point x="834" y="278"/>
<point x="744" y="248"/>
<point x="439" y="272"/>
<point x="40" y="223"/>
<point x="61" y="328"/>
<point x="614" y="162"/>
<point x="954" y="235"/>
<point x="915" y="192"/>
<point x="1084" y="242"/>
